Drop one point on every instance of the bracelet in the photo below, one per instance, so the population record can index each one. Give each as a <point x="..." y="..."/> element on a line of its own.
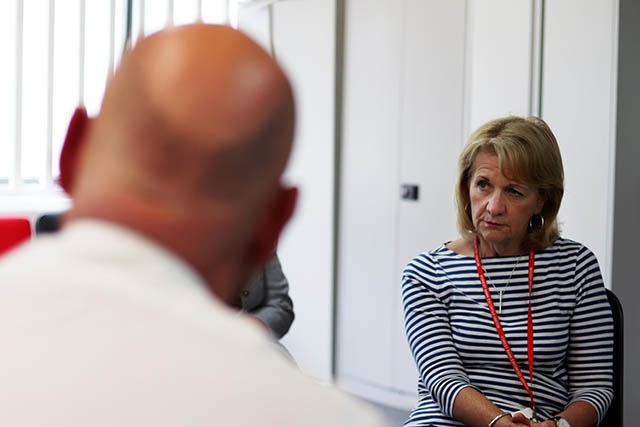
<point x="495" y="420"/>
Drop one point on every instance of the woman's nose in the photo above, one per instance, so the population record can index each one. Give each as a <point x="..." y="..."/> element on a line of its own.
<point x="495" y="204"/>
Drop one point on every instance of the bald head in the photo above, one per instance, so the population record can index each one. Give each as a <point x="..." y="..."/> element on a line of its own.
<point x="190" y="143"/>
<point x="199" y="94"/>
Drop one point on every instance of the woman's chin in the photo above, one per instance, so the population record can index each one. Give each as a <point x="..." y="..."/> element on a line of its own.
<point x="494" y="236"/>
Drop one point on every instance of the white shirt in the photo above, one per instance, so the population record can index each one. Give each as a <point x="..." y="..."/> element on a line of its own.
<point x="101" y="327"/>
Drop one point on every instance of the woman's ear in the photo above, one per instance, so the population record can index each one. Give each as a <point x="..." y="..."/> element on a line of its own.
<point x="71" y="147"/>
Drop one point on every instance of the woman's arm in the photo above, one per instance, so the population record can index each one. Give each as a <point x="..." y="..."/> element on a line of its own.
<point x="580" y="413"/>
<point x="473" y="409"/>
<point x="590" y="353"/>
<point x="428" y="332"/>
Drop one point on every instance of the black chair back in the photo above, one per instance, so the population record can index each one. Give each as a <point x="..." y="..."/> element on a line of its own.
<point x="48" y="223"/>
<point x="613" y="417"/>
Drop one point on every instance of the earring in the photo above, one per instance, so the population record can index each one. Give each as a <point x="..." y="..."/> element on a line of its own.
<point x="531" y="221"/>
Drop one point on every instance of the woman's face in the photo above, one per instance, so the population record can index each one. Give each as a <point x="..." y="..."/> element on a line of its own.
<point x="500" y="207"/>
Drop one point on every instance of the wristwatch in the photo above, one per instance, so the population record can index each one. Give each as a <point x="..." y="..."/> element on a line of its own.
<point x="561" y="422"/>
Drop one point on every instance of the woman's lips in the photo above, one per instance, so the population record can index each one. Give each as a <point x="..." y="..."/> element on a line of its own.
<point x="493" y="224"/>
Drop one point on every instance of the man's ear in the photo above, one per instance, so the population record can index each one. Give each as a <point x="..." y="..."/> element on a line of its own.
<point x="71" y="147"/>
<point x="269" y="230"/>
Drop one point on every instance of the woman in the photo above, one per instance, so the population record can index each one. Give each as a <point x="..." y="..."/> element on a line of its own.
<point x="511" y="272"/>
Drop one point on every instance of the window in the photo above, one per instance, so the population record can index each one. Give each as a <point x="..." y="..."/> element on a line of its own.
<point x="57" y="55"/>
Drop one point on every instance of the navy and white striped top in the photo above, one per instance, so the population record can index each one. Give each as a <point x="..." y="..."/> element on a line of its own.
<point x="455" y="344"/>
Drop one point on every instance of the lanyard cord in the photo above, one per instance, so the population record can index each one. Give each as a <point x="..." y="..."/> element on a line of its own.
<point x="496" y="321"/>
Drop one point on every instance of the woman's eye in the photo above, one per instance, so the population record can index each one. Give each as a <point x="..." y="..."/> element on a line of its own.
<point x="516" y="192"/>
<point x="482" y="184"/>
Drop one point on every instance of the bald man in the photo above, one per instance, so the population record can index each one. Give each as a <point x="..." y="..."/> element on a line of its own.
<point x="122" y="318"/>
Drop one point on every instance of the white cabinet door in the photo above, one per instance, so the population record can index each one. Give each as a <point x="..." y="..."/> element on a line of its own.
<point x="403" y="110"/>
<point x="431" y="135"/>
<point x="501" y="37"/>
<point x="578" y="98"/>
<point x="304" y="40"/>
<point x="366" y="273"/>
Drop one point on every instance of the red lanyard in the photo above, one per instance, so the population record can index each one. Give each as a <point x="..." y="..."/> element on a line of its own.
<point x="496" y="321"/>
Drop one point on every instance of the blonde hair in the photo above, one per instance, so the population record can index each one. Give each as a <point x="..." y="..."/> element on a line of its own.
<point x="529" y="150"/>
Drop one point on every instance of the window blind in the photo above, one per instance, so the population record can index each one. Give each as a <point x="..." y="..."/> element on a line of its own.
<point x="58" y="55"/>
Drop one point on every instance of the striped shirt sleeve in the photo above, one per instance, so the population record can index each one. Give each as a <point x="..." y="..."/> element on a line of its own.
<point x="429" y="335"/>
<point x="590" y="353"/>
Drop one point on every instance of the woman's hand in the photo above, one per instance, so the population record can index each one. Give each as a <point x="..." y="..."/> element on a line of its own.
<point x="520" y="419"/>
<point x="516" y="421"/>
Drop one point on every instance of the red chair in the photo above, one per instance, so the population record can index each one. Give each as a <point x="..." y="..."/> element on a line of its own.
<point x="13" y="231"/>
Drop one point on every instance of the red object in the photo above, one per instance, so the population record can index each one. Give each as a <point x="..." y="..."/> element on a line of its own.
<point x="13" y="231"/>
<point x="496" y="321"/>
<point x="71" y="146"/>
